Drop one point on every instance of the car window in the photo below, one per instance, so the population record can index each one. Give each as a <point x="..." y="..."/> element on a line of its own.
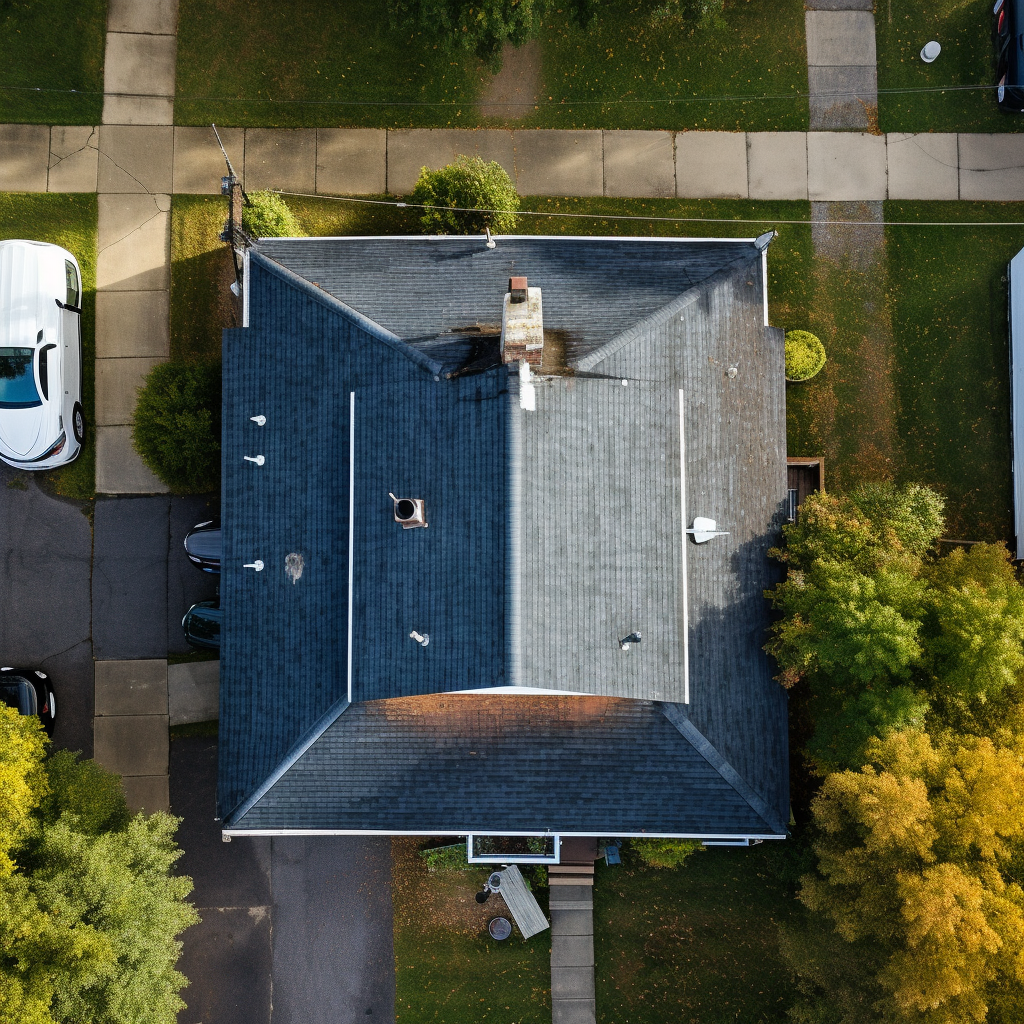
<point x="44" y="378"/>
<point x="72" y="281"/>
<point x="17" y="382"/>
<point x="204" y="624"/>
<point x="204" y="543"/>
<point x="20" y="694"/>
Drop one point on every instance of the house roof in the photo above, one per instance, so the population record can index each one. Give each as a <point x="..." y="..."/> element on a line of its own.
<point x="552" y="532"/>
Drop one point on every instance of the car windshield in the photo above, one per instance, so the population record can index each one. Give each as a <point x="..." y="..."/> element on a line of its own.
<point x="17" y="383"/>
<point x="204" y="543"/>
<point x="204" y="624"/>
<point x="17" y="693"/>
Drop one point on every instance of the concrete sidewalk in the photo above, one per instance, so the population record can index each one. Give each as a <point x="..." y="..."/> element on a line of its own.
<point x="136" y="169"/>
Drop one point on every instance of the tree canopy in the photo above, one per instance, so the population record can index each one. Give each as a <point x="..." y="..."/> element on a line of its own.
<point x="89" y="912"/>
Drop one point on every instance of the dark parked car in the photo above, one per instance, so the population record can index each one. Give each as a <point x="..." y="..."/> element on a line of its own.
<point x="31" y="692"/>
<point x="1009" y="37"/>
<point x="202" y="545"/>
<point x="202" y="625"/>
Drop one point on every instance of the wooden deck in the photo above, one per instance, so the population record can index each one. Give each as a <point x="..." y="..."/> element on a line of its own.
<point x="804" y="476"/>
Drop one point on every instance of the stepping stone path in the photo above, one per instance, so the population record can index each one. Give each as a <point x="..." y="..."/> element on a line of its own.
<point x="571" y="905"/>
<point x="842" y="76"/>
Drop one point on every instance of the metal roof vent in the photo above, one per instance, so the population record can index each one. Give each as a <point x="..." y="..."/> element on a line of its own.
<point x="409" y="512"/>
<point x="522" y="323"/>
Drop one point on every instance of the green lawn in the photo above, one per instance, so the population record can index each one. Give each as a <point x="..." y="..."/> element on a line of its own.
<point x="287" y="64"/>
<point x="620" y="71"/>
<point x="448" y="970"/>
<point x="964" y="28"/>
<point x="69" y="221"/>
<point x="694" y="945"/>
<point x="52" y="66"/>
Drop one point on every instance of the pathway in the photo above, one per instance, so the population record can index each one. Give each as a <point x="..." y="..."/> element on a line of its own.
<point x="571" y="905"/>
<point x="138" y="167"/>
<point x="842" y="76"/>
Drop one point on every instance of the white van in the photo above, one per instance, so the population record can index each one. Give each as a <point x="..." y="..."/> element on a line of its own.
<point x="41" y="420"/>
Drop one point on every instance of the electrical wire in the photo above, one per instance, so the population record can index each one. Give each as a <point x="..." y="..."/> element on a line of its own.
<point x="673" y="220"/>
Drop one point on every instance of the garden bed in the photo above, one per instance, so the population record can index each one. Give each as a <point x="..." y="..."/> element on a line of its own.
<point x="68" y="221"/>
<point x="287" y="65"/>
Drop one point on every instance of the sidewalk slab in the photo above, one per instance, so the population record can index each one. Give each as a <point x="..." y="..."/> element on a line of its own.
<point x="139" y="65"/>
<point x="132" y="744"/>
<point x="119" y="470"/>
<point x="133" y="238"/>
<point x="840" y="38"/>
<point x="844" y="166"/>
<point x="351" y="161"/>
<point x="198" y="162"/>
<point x="573" y="922"/>
<point x="711" y="165"/>
<point x="283" y="158"/>
<point x="566" y="982"/>
<point x="639" y="164"/>
<point x="922" y="166"/>
<point x="73" y="159"/>
<point x="839" y="5"/>
<point x="156" y="17"/>
<point x="777" y="165"/>
<point x="138" y="109"/>
<point x="409" y="150"/>
<point x="572" y="951"/>
<point x="193" y="692"/>
<point x="133" y="324"/>
<point x="992" y="167"/>
<point x="24" y="157"/>
<point x="573" y="1011"/>
<point x="559" y="163"/>
<point x="131" y="687"/>
<point x="149" y="793"/>
<point x="842" y="97"/>
<point x="117" y="385"/>
<point x="135" y="158"/>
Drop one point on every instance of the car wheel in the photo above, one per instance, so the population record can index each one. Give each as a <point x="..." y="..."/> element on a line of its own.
<point x="78" y="423"/>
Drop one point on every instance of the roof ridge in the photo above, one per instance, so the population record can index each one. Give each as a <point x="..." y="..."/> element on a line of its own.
<point x="333" y="303"/>
<point x="710" y="753"/>
<point x="659" y="316"/>
<point x="305" y="741"/>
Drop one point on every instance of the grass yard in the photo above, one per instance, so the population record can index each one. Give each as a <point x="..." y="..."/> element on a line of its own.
<point x="448" y="970"/>
<point x="69" y="221"/>
<point x="55" y="47"/>
<point x="964" y="28"/>
<point x="695" y="945"/>
<point x="242" y="63"/>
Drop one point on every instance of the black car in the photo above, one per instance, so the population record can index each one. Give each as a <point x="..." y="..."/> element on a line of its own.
<point x="31" y="692"/>
<point x="202" y="545"/>
<point x="1009" y="39"/>
<point x="202" y="625"/>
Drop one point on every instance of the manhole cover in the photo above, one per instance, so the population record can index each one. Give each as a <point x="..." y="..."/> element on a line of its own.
<point x="499" y="928"/>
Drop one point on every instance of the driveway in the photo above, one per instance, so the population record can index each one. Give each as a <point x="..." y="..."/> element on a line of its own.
<point x="45" y="606"/>
<point x="295" y="930"/>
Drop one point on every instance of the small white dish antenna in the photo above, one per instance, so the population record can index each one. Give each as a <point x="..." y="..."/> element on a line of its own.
<point x="704" y="529"/>
<point x="259" y="420"/>
<point x="257" y="565"/>
<point x="930" y="51"/>
<point x="258" y="459"/>
<point x="421" y="638"/>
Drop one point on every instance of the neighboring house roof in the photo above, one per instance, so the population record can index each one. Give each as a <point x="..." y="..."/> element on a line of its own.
<point x="552" y="533"/>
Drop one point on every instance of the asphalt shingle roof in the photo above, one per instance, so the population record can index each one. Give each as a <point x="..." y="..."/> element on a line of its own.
<point x="552" y="533"/>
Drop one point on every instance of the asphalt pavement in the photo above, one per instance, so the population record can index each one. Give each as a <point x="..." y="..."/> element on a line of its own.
<point x="45" y="606"/>
<point x="295" y="930"/>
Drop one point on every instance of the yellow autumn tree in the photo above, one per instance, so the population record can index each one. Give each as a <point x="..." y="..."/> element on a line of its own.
<point x="22" y="779"/>
<point x="915" y="855"/>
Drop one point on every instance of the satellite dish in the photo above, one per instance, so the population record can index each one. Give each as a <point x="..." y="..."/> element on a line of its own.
<point x="704" y="529"/>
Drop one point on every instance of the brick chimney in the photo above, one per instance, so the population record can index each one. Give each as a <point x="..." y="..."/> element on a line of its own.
<point x="522" y="324"/>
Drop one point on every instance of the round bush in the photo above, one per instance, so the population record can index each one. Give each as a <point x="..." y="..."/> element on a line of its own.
<point x="267" y="215"/>
<point x="805" y="355"/>
<point x="471" y="185"/>
<point x="664" y="853"/>
<point x="177" y="425"/>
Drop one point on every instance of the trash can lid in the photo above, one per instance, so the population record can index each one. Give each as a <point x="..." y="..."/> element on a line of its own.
<point x="499" y="928"/>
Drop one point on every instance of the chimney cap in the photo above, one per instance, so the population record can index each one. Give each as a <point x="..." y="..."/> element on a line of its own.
<point x="517" y="288"/>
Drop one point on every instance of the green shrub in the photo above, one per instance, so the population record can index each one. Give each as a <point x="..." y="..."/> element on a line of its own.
<point x="471" y="185"/>
<point x="177" y="425"/>
<point x="267" y="215"/>
<point x="805" y="355"/>
<point x="446" y="858"/>
<point x="664" y="853"/>
<point x="689" y="14"/>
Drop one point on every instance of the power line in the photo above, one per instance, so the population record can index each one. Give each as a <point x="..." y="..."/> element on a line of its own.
<point x="674" y="220"/>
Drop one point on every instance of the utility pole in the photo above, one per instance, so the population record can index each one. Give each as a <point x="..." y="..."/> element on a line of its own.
<point x="233" y="232"/>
